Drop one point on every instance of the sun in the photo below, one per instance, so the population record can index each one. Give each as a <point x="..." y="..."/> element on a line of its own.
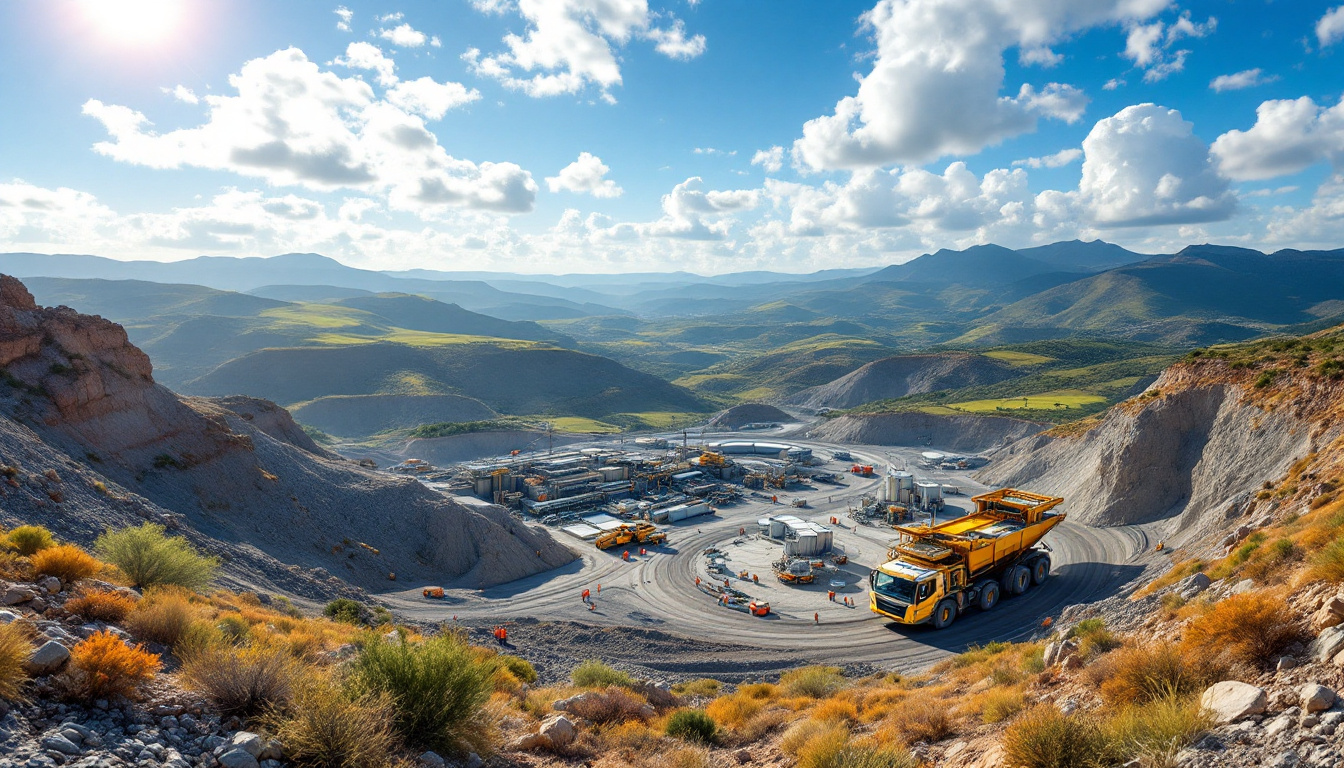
<point x="133" y="21"/>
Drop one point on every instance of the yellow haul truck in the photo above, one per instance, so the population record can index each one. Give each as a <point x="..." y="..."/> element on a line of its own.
<point x="936" y="572"/>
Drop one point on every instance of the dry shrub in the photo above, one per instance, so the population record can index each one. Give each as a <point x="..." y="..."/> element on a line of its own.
<point x="162" y="616"/>
<point x="837" y="710"/>
<point x="813" y="682"/>
<point x="800" y="733"/>
<point x="612" y="705"/>
<point x="684" y="757"/>
<point x="1251" y="628"/>
<point x="28" y="540"/>
<point x="923" y="719"/>
<point x="324" y="728"/>
<point x="66" y="562"/>
<point x="633" y="736"/>
<point x="1144" y="673"/>
<point x="761" y="725"/>
<point x="243" y="682"/>
<point x="103" y="667"/>
<point x="538" y="701"/>
<point x="15" y="567"/>
<point x="1154" y="732"/>
<point x="14" y="651"/>
<point x="876" y="705"/>
<point x="999" y="704"/>
<point x="107" y="607"/>
<point x="824" y="748"/>
<point x="705" y="686"/>
<point x="1328" y="561"/>
<point x="735" y="709"/>
<point x="1043" y="737"/>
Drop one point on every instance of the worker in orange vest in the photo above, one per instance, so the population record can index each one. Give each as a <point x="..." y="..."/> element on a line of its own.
<point x="586" y="593"/>
<point x="697" y="581"/>
<point x="599" y="590"/>
<point x="643" y="551"/>
<point x="830" y="595"/>
<point x="626" y="555"/>
<point x="816" y="617"/>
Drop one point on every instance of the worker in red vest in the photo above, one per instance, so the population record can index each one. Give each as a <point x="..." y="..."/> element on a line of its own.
<point x="586" y="593"/>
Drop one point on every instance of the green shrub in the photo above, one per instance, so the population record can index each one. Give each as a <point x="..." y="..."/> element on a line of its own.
<point x="1328" y="562"/>
<point x="1157" y="729"/>
<point x="594" y="674"/>
<point x="519" y="668"/>
<point x="150" y="558"/>
<point x="234" y="629"/>
<point x="322" y="727"/>
<point x="438" y="688"/>
<point x="346" y="611"/>
<point x="28" y="540"/>
<point x="692" y="725"/>
<point x="816" y="682"/>
<point x="1044" y="737"/>
<point x="865" y="756"/>
<point x="704" y="686"/>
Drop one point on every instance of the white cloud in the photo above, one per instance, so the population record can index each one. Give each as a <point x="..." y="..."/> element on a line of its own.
<point x="1058" y="160"/>
<point x="1320" y="225"/>
<point x="714" y="151"/>
<point x="771" y="159"/>
<point x="1144" y="166"/>
<point x="390" y="17"/>
<point x="1330" y="27"/>
<point x="1149" y="45"/>
<point x="1247" y="78"/>
<point x="183" y="94"/>
<point x="404" y="35"/>
<point x="1289" y="135"/>
<point x="293" y="124"/>
<point x="344" y="15"/>
<point x="585" y="175"/>
<point x="430" y="99"/>
<point x="568" y="44"/>
<point x="369" y="56"/>
<point x="936" y="85"/>
<point x="37" y="216"/>
<point x="1113" y="84"/>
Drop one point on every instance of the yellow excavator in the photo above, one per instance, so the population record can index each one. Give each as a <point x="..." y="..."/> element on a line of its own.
<point x="615" y="537"/>
<point x="936" y="572"/>
<point x="648" y="533"/>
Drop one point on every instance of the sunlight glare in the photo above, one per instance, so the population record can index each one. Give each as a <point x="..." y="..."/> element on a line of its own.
<point x="134" y="21"/>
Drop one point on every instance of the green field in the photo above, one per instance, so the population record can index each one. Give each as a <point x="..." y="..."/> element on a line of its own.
<point x="1018" y="359"/>
<point x="1069" y="399"/>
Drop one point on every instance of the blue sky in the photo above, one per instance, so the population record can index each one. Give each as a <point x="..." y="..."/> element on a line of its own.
<point x="712" y="136"/>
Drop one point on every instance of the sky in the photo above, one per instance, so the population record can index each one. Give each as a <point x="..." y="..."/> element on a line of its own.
<point x="710" y="136"/>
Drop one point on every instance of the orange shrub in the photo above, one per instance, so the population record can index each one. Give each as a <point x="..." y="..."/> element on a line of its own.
<point x="734" y="710"/>
<point x="162" y="616"/>
<point x="613" y="705"/>
<point x="922" y="719"/>
<point x="66" y="562"/>
<point x="102" y="667"/>
<point x="107" y="607"/>
<point x="1252" y="628"/>
<point x="836" y="710"/>
<point x="1143" y="673"/>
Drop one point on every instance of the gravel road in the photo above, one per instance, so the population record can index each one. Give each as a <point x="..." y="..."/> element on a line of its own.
<point x="678" y="632"/>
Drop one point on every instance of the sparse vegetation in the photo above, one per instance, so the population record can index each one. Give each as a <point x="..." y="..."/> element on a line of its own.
<point x="346" y="611"/>
<point x="240" y="681"/>
<point x="28" y="540"/>
<point x="14" y="651"/>
<point x="150" y="558"/>
<point x="816" y="682"/>
<point x="324" y="727"/>
<point x="162" y="616"/>
<point x="692" y="725"/>
<point x="103" y="667"/>
<point x="595" y="674"/>
<point x="66" y="562"/>
<point x="99" y="605"/>
<point x="1251" y="629"/>
<point x="1043" y="737"/>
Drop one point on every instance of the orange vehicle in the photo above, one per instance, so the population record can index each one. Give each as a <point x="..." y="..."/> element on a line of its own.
<point x="433" y="592"/>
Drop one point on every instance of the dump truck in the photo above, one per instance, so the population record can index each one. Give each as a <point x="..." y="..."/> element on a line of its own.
<point x="793" y="572"/>
<point x="937" y="572"/>
<point x="648" y="533"/>
<point x="615" y="537"/>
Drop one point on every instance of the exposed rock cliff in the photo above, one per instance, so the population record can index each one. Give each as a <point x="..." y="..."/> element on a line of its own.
<point x="237" y="474"/>
<point x="967" y="433"/>
<point x="894" y="377"/>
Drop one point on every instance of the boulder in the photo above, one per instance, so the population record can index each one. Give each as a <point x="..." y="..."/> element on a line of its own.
<point x="271" y="750"/>
<point x="238" y="758"/>
<point x="16" y="595"/>
<point x="431" y="760"/>
<point x="60" y="744"/>
<point x="47" y="659"/>
<point x="51" y="584"/>
<point x="1327" y="644"/>
<point x="1230" y="700"/>
<point x="1316" y="698"/>
<point x="1285" y="663"/>
<point x="8" y="617"/>
<point x="559" y="730"/>
<point x="528" y="743"/>
<point x="742" y="756"/>
<point x="247" y="741"/>
<point x="1192" y="585"/>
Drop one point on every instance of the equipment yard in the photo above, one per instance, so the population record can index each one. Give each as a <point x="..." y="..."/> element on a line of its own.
<point x="764" y="611"/>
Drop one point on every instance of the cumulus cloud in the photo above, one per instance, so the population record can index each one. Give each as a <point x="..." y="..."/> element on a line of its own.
<point x="33" y="215"/>
<point x="370" y="57"/>
<point x="1330" y="27"/>
<point x="183" y="94"/>
<point x="1145" y="166"/>
<point x="714" y="151"/>
<point x="1058" y="160"/>
<point x="1289" y="135"/>
<point x="293" y="124"/>
<point x="1149" y="46"/>
<point x="1247" y="78"/>
<point x="771" y="159"/>
<point x="404" y="35"/>
<point x="568" y="44"/>
<point x="936" y="85"/>
<point x="343" y="15"/>
<point x="429" y="98"/>
<point x="585" y="175"/>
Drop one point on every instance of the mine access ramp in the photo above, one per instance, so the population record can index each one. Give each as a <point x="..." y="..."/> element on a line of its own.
<point x="936" y="572"/>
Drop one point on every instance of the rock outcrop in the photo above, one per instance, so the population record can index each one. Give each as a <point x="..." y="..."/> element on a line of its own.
<point x="91" y="441"/>
<point x="966" y="434"/>
<point x="894" y="377"/>
<point x="749" y="413"/>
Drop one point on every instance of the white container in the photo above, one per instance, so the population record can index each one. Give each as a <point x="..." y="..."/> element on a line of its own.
<point x="778" y="528"/>
<point x="685" y="511"/>
<point x="904" y="480"/>
<point x="929" y="491"/>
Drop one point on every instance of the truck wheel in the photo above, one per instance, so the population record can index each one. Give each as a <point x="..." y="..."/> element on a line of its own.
<point x="944" y="613"/>
<point x="989" y="595"/>
<point x="1019" y="579"/>
<point x="1040" y="570"/>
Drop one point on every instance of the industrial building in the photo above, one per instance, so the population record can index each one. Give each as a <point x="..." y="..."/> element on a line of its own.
<point x="801" y="538"/>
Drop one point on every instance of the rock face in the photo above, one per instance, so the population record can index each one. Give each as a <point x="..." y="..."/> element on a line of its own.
<point x="903" y="375"/>
<point x="1230" y="700"/>
<point x="1194" y="449"/>
<point x="968" y="434"/>
<point x="235" y="475"/>
<point x="750" y="413"/>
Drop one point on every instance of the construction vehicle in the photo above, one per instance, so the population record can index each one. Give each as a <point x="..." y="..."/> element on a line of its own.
<point x="799" y="502"/>
<point x="615" y="537"/>
<point x="712" y="459"/>
<point x="435" y="593"/>
<point x="937" y="572"/>
<point x="648" y="533"/>
<point x="793" y="572"/>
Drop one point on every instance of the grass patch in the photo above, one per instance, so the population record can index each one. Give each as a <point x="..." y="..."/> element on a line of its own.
<point x="15" y="649"/>
<point x="813" y="682"/>
<point x="1018" y="359"/>
<point x="149" y="558"/>
<point x="692" y="725"/>
<point x="594" y="674"/>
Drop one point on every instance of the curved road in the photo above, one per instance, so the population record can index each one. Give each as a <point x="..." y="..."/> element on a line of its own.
<point x="658" y="591"/>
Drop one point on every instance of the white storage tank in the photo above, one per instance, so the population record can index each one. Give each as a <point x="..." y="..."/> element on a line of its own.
<point x="805" y="545"/>
<point x="929" y="491"/>
<point x="890" y="488"/>
<point x="778" y="528"/>
<point x="684" y="511"/>
<point x="764" y="525"/>
<point x="904" y="480"/>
